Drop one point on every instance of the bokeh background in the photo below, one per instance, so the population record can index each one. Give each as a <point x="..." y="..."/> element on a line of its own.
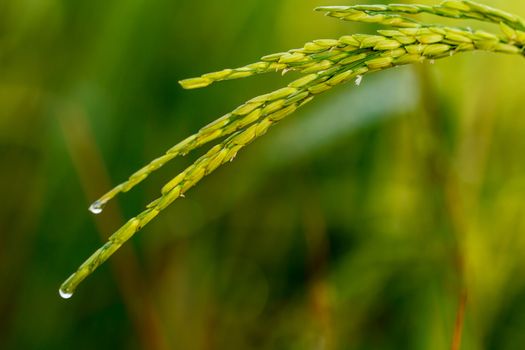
<point x="370" y="219"/>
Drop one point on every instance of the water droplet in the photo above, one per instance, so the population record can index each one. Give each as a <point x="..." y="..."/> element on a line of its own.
<point x="96" y="207"/>
<point x="65" y="295"/>
<point x="358" y="80"/>
<point x="432" y="61"/>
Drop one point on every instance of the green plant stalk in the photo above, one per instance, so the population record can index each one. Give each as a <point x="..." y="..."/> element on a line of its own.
<point x="319" y="55"/>
<point x="326" y="63"/>
<point x="215" y="157"/>
<point x="456" y="9"/>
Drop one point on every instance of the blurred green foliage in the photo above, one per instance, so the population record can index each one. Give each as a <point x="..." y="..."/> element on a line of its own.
<point x="360" y="223"/>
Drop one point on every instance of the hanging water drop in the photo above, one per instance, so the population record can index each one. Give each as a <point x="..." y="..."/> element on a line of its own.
<point x="358" y="80"/>
<point x="432" y="61"/>
<point x="65" y="295"/>
<point x="96" y="207"/>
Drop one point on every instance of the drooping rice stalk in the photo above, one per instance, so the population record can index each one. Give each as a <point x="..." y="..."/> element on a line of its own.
<point x="325" y="64"/>
<point x="450" y="8"/>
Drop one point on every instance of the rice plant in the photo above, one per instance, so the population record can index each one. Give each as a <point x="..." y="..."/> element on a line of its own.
<point x="325" y="64"/>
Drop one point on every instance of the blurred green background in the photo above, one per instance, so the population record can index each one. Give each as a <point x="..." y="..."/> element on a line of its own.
<point x="368" y="220"/>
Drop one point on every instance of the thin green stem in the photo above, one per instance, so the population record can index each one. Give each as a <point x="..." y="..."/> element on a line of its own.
<point x="325" y="64"/>
<point x="457" y="9"/>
